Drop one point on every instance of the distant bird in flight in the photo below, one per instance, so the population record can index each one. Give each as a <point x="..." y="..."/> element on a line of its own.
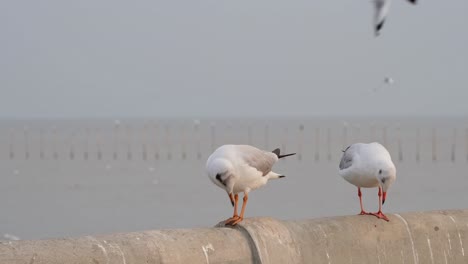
<point x="368" y="166"/>
<point x="389" y="80"/>
<point x="381" y="10"/>
<point x="241" y="168"/>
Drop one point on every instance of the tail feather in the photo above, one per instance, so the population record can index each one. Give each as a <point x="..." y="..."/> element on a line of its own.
<point x="274" y="175"/>
<point x="277" y="152"/>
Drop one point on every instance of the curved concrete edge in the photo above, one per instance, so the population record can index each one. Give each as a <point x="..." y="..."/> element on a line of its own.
<point x="418" y="237"/>
<point x="208" y="245"/>
<point x="273" y="240"/>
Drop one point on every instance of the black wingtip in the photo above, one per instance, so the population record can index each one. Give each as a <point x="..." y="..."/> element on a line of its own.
<point x="378" y="27"/>
<point x="282" y="176"/>
<point x="412" y="1"/>
<point x="286" y="155"/>
<point x="277" y="153"/>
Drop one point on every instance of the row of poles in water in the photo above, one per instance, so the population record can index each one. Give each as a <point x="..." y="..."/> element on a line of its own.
<point x="152" y="146"/>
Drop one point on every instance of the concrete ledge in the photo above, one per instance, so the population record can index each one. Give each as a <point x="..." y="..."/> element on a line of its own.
<point x="420" y="237"/>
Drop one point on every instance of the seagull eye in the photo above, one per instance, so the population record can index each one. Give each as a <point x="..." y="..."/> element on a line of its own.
<point x="380" y="171"/>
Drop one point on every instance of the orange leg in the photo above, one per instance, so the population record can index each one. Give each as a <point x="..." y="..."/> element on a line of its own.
<point x="235" y="202"/>
<point x="231" y="198"/>
<point x="241" y="217"/>
<point x="360" y="202"/>
<point x="379" y="214"/>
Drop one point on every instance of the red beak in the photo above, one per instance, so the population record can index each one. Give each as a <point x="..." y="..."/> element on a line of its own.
<point x="384" y="197"/>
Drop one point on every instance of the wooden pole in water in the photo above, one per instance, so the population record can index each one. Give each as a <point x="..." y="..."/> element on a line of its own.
<point x="418" y="144"/>
<point x="183" y="140"/>
<point x="317" y="143"/>
<point x="285" y="139"/>
<point x="434" y="145"/>
<point x="41" y="144"/>
<point x="26" y="142"/>
<point x="72" y="149"/>
<point x="168" y="142"/>
<point x="116" y="139"/>
<point x="99" y="155"/>
<point x="144" y="139"/>
<point x="196" y="128"/>
<point x="12" y="144"/>
<point x="54" y="143"/>
<point x="301" y="141"/>
<point x="400" y="150"/>
<point x="129" y="142"/>
<point x="157" y="136"/>
<point x="329" y="155"/>
<point x="466" y="142"/>
<point x="454" y="144"/>
<point x="86" y="147"/>
<point x="357" y="132"/>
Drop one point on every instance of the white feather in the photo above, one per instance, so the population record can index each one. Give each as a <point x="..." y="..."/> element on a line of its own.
<point x="365" y="165"/>
<point x="234" y="163"/>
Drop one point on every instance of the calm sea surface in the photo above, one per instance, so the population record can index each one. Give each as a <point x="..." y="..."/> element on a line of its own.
<point x="72" y="178"/>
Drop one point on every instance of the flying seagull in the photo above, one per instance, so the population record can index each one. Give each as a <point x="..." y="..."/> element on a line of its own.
<point x="381" y="10"/>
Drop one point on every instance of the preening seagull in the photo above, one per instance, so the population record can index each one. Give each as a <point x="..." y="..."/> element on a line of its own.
<point x="381" y="10"/>
<point x="368" y="166"/>
<point x="241" y="168"/>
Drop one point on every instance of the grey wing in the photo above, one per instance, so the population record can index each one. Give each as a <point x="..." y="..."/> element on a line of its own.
<point x="347" y="159"/>
<point x="260" y="160"/>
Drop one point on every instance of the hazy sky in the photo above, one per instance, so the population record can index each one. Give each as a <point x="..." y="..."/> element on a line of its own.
<point x="199" y="58"/>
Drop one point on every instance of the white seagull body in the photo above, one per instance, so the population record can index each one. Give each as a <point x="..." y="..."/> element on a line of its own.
<point x="241" y="168"/>
<point x="381" y="10"/>
<point x="368" y="166"/>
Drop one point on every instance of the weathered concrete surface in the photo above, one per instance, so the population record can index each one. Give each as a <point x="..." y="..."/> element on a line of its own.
<point x="424" y="237"/>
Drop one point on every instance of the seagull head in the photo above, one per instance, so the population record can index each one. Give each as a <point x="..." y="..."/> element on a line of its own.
<point x="386" y="178"/>
<point x="218" y="170"/>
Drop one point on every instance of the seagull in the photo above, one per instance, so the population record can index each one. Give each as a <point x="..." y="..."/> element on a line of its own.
<point x="389" y="80"/>
<point x="241" y="168"/>
<point x="381" y="10"/>
<point x="368" y="166"/>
